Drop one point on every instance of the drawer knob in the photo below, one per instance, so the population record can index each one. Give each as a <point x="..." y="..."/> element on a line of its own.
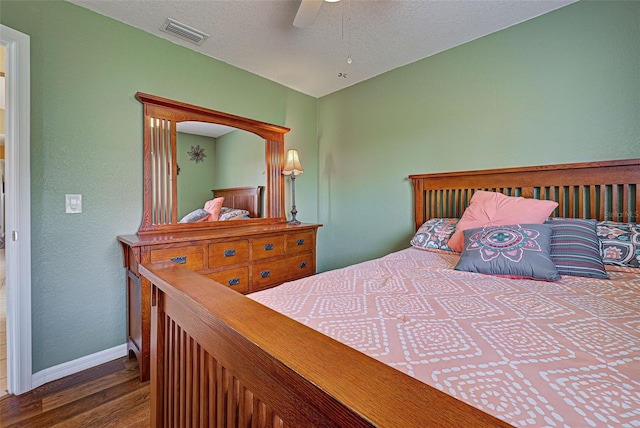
<point x="233" y="281"/>
<point x="268" y="247"/>
<point x="180" y="260"/>
<point x="303" y="265"/>
<point x="265" y="274"/>
<point x="300" y="242"/>
<point x="229" y="253"/>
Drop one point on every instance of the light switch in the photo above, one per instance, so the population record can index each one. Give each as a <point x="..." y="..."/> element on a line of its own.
<point x="73" y="204"/>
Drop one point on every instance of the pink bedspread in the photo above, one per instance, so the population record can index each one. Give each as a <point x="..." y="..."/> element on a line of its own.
<point x="532" y="353"/>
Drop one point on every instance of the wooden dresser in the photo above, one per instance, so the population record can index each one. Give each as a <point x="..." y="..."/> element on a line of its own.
<point x="246" y="255"/>
<point x="245" y="259"/>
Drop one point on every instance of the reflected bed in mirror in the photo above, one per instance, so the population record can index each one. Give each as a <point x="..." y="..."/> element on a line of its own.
<point x="222" y="157"/>
<point x="190" y="150"/>
<point x="236" y="203"/>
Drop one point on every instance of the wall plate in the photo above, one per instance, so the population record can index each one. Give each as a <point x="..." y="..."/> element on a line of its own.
<point x="73" y="204"/>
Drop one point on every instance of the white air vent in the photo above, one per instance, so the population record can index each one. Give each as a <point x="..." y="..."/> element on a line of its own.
<point x="185" y="32"/>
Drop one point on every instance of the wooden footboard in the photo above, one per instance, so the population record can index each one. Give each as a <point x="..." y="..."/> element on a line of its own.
<point x="220" y="359"/>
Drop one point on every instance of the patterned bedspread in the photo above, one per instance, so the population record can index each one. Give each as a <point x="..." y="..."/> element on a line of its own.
<point x="532" y="353"/>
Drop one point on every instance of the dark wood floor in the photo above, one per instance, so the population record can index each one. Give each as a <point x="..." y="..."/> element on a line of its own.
<point x="110" y="395"/>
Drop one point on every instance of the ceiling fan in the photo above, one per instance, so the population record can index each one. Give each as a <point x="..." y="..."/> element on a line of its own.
<point x="307" y="12"/>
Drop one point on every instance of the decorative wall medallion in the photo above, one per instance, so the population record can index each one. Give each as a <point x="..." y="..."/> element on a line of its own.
<point x="196" y="154"/>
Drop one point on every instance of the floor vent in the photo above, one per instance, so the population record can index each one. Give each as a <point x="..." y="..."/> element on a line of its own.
<point x="185" y="32"/>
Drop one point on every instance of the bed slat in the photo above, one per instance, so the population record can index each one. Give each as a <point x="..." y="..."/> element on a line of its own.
<point x="636" y="215"/>
<point x="625" y="202"/>
<point x="196" y="381"/>
<point x="198" y="391"/>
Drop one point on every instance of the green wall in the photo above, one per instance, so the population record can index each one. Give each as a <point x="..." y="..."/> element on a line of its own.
<point x="564" y="87"/>
<point x="86" y="137"/>
<point x="240" y="160"/>
<point x="195" y="180"/>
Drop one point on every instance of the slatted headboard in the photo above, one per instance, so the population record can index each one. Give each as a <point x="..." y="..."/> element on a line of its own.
<point x="607" y="190"/>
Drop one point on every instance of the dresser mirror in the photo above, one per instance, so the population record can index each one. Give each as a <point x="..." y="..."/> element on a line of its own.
<point x="180" y="167"/>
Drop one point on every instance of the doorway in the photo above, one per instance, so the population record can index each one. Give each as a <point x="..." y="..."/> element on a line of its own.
<point x="3" y="326"/>
<point x="3" y="278"/>
<point x="17" y="209"/>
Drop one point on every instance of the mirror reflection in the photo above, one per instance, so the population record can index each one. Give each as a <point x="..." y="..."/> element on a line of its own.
<point x="212" y="156"/>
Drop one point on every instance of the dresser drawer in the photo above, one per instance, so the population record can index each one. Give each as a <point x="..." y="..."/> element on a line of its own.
<point x="279" y="271"/>
<point x="267" y="247"/>
<point x="236" y="279"/>
<point x="228" y="253"/>
<point x="191" y="257"/>
<point x="299" y="242"/>
<point x="301" y="266"/>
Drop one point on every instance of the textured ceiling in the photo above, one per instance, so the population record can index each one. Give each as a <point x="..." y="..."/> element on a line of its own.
<point x="258" y="35"/>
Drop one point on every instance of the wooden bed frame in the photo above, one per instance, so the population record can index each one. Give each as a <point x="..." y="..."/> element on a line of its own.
<point x="243" y="198"/>
<point x="221" y="359"/>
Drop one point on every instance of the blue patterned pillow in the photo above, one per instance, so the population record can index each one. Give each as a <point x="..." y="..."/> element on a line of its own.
<point x="434" y="234"/>
<point x="575" y="248"/>
<point x="620" y="243"/>
<point x="518" y="251"/>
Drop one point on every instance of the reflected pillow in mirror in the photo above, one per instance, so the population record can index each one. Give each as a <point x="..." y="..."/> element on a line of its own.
<point x="233" y="214"/>
<point x="213" y="207"/>
<point x="194" y="216"/>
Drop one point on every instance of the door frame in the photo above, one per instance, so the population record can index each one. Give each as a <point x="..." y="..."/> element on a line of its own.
<point x="18" y="210"/>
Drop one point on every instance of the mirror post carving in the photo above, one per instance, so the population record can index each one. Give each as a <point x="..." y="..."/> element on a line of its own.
<point x="275" y="181"/>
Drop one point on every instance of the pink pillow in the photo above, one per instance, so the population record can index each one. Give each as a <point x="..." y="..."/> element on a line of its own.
<point x="496" y="209"/>
<point x="213" y="207"/>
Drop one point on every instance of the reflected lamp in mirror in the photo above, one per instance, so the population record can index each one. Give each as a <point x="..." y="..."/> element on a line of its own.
<point x="292" y="168"/>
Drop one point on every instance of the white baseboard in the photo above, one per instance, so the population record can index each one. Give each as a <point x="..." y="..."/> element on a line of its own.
<point x="65" y="369"/>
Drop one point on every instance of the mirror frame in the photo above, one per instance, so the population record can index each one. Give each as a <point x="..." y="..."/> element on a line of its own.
<point x="173" y="112"/>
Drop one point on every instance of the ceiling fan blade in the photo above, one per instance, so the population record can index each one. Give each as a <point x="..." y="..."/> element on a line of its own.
<point x="307" y="13"/>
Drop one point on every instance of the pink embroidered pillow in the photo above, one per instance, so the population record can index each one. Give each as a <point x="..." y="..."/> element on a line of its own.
<point x="213" y="207"/>
<point x="496" y="209"/>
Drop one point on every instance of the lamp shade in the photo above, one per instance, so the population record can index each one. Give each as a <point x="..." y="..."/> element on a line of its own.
<point x="292" y="164"/>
